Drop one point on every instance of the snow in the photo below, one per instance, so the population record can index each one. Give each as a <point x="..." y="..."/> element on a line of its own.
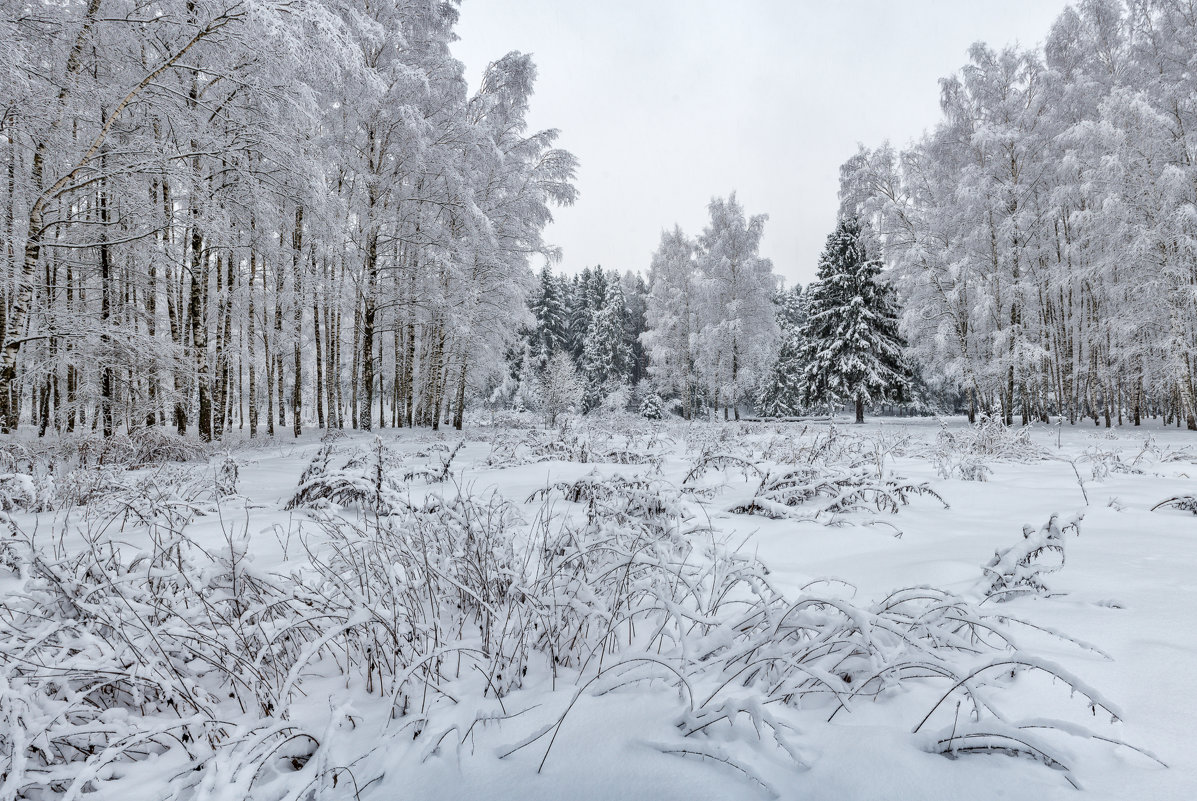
<point x="1128" y="586"/>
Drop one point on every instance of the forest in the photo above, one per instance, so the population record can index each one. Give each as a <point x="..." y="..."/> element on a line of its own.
<point x="325" y="473"/>
<point x="205" y="235"/>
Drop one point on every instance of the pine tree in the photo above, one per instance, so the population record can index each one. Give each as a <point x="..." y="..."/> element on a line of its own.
<point x="851" y="350"/>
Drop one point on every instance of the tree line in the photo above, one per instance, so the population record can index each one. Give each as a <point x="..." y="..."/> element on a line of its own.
<point x="262" y="215"/>
<point x="713" y="331"/>
<point x="1043" y="236"/>
<point x="221" y="213"/>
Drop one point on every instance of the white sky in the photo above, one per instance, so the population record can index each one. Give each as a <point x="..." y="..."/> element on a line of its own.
<point x="668" y="103"/>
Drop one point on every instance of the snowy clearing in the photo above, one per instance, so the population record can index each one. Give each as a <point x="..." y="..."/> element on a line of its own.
<point x="521" y="613"/>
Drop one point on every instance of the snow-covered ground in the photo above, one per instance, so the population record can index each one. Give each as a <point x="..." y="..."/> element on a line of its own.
<point x="632" y="712"/>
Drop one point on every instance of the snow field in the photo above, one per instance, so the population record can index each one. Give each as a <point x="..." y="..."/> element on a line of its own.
<point x="532" y="614"/>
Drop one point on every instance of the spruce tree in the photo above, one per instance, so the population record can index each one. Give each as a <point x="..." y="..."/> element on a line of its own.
<point x="605" y="356"/>
<point x="552" y="318"/>
<point x="780" y="394"/>
<point x="851" y="349"/>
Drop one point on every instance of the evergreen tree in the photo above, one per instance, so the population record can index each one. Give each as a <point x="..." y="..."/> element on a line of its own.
<point x="635" y="294"/>
<point x="581" y="310"/>
<point x="548" y="306"/>
<point x="851" y="349"/>
<point x="780" y="393"/>
<point x="605" y="356"/>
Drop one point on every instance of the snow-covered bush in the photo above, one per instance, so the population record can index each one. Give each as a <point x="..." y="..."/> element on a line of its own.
<point x="575" y="443"/>
<point x="111" y="655"/>
<point x="831" y="491"/>
<point x="148" y="446"/>
<point x="227" y="471"/>
<point x="24" y="492"/>
<point x="967" y="467"/>
<point x="1020" y="569"/>
<point x="651" y="406"/>
<point x="368" y="479"/>
<point x="989" y="438"/>
<point x="636" y="502"/>
<point x="1185" y="503"/>
<point x="439" y="472"/>
<point x="1105" y="462"/>
<point x="616" y="397"/>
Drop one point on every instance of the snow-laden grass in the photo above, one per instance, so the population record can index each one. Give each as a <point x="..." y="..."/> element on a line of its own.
<point x="427" y="602"/>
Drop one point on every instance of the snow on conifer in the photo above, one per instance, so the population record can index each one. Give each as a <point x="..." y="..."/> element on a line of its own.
<point x="780" y="394"/>
<point x="851" y="350"/>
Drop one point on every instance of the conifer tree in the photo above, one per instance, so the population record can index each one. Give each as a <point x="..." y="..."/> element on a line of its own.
<point x="851" y="349"/>
<point x="635" y="296"/>
<point x="605" y="356"/>
<point x="549" y="309"/>
<point x="780" y="394"/>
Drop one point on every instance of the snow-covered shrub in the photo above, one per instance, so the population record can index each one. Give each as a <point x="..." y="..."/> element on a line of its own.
<point x="227" y="472"/>
<point x="989" y="438"/>
<point x="111" y="655"/>
<point x="57" y="472"/>
<point x="616" y="397"/>
<point x="734" y="648"/>
<point x="148" y="446"/>
<point x="166" y="498"/>
<point x="823" y="490"/>
<point x="369" y="479"/>
<point x="1185" y="503"/>
<point x="723" y="462"/>
<point x="438" y="473"/>
<point x="575" y="443"/>
<point x="967" y="467"/>
<point x="410" y="583"/>
<point x="1020" y="569"/>
<point x="1105" y="462"/>
<point x="86" y="485"/>
<point x="16" y="456"/>
<point x="651" y="406"/>
<point x="1163" y="454"/>
<point x="21" y="491"/>
<point x="637" y="502"/>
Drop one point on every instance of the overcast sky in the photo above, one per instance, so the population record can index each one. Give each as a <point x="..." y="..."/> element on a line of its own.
<point x="668" y="103"/>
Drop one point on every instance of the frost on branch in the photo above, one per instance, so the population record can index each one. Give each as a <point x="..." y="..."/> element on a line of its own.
<point x="367" y="479"/>
<point x="820" y="491"/>
<point x="1185" y="503"/>
<point x="1020" y="569"/>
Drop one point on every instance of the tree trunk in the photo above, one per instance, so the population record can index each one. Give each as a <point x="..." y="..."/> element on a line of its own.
<point x="459" y="412"/>
<point x="369" y="311"/>
<point x="250" y="344"/>
<point x="199" y="330"/>
<point x="317" y="355"/>
<point x="297" y="302"/>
